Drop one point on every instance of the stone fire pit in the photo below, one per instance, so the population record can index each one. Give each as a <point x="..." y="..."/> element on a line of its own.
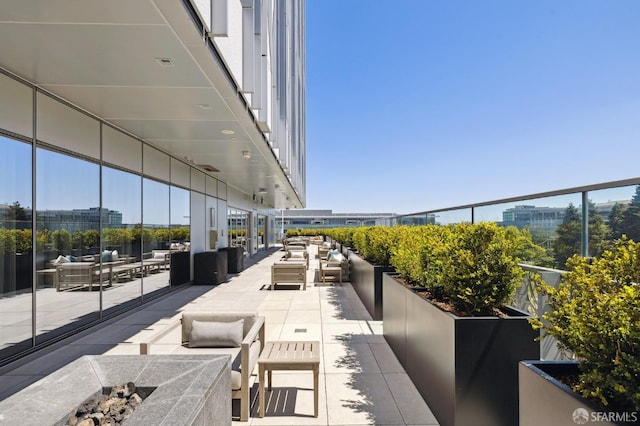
<point x="189" y="389"/>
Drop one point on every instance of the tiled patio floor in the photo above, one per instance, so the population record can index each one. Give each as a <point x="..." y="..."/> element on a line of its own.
<point x="361" y="381"/>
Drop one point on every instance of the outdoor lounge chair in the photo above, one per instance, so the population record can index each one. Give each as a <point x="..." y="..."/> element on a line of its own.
<point x="212" y="338"/>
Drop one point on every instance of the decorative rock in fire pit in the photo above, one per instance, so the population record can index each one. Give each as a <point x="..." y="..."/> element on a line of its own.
<point x="111" y="408"/>
<point x="179" y="389"/>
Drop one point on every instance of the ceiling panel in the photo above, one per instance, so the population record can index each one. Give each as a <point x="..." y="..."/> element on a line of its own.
<point x="103" y="57"/>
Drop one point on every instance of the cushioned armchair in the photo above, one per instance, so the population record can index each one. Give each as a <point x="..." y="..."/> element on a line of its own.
<point x="239" y="334"/>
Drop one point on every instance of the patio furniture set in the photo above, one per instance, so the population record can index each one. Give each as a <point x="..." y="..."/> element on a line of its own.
<point x="90" y="271"/>
<point x="241" y="335"/>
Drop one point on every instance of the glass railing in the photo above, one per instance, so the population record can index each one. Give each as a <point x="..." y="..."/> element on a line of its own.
<point x="584" y="221"/>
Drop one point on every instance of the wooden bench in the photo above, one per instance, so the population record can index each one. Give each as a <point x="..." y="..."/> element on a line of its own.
<point x="288" y="272"/>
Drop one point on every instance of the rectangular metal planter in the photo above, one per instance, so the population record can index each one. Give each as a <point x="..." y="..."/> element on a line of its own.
<point x="466" y="368"/>
<point x="210" y="267"/>
<point x="366" y="279"/>
<point x="544" y="400"/>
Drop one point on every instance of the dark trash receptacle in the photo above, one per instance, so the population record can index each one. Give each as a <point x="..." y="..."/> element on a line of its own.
<point x="180" y="271"/>
<point x="210" y="267"/>
<point x="235" y="259"/>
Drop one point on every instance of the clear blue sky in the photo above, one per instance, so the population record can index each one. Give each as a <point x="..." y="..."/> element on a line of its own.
<point x="421" y="104"/>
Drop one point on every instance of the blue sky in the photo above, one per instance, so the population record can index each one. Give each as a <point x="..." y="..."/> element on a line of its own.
<point x="415" y="105"/>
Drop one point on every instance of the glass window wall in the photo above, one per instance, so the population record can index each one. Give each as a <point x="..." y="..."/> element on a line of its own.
<point x="237" y="228"/>
<point x="68" y="243"/>
<point x="16" y="250"/>
<point x="121" y="220"/>
<point x="155" y="236"/>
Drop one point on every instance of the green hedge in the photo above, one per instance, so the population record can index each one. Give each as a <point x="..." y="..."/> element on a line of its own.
<point x="595" y="313"/>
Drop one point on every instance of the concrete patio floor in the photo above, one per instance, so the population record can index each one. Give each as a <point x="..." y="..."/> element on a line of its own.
<point x="361" y="381"/>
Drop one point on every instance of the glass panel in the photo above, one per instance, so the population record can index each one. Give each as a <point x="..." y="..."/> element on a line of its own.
<point x="237" y="221"/>
<point x="450" y="216"/>
<point x="121" y="218"/>
<point x="68" y="242"/>
<point x="155" y="235"/>
<point x="416" y="219"/>
<point x="180" y="219"/>
<point x="16" y="254"/>
<point x="542" y="217"/>
<point x="262" y="231"/>
<point x="618" y="209"/>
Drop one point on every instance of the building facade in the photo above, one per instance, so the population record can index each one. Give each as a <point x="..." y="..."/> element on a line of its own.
<point x="136" y="129"/>
<point x="321" y="219"/>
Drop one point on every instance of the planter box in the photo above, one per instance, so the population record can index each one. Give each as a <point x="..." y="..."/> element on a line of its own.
<point x="366" y="280"/>
<point x="466" y="368"/>
<point x="180" y="271"/>
<point x="210" y="267"/>
<point x="235" y="258"/>
<point x="544" y="400"/>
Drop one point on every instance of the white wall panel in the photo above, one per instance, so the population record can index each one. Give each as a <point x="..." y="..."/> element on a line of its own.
<point x="156" y="163"/>
<point x="204" y="9"/>
<point x="63" y="126"/>
<point x="180" y="173"/>
<point x="16" y="106"/>
<point x="222" y="191"/>
<point x="121" y="149"/>
<point x="231" y="46"/>
<point x="197" y="180"/>
<point x="219" y="18"/>
<point x="211" y="186"/>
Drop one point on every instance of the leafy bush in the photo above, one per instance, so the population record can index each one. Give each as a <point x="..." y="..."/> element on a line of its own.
<point x="479" y="274"/>
<point x="414" y="255"/>
<point x="595" y="313"/>
<point x="375" y="243"/>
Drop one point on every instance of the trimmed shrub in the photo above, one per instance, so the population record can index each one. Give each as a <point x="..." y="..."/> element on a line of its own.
<point x="479" y="274"/>
<point x="595" y="313"/>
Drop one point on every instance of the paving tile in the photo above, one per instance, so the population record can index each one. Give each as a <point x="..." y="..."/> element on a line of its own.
<point x="360" y="399"/>
<point x="349" y="357"/>
<point x="361" y="381"/>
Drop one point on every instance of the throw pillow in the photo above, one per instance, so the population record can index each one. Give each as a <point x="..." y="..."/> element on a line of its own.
<point x="296" y="254"/>
<point x="335" y="257"/>
<point x="210" y="334"/>
<point x="105" y="256"/>
<point x="331" y="253"/>
<point x="114" y="256"/>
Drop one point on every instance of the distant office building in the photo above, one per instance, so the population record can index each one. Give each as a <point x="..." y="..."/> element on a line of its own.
<point x="310" y="219"/>
<point x="525" y="216"/>
<point x="79" y="219"/>
<point x="605" y="208"/>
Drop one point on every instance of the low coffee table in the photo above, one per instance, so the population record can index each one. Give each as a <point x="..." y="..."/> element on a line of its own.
<point x="289" y="355"/>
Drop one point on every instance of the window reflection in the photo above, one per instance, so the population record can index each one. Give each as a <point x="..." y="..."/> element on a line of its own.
<point x="68" y="242"/>
<point x="121" y="219"/>
<point x="262" y="231"/>
<point x="155" y="236"/>
<point x="16" y="254"/>
<point x="237" y="228"/>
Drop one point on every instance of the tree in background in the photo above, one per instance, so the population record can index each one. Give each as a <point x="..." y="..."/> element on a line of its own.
<point x="16" y="212"/>
<point x="569" y="234"/>
<point x="625" y="219"/>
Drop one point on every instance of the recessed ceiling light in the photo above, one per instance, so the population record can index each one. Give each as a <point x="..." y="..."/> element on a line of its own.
<point x="204" y="106"/>
<point x="227" y="132"/>
<point x="165" y="62"/>
<point x="246" y="154"/>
